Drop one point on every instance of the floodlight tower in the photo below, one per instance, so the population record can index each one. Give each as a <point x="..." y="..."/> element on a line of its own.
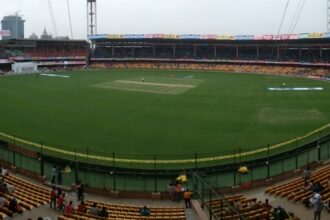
<point x="91" y="17"/>
<point x="328" y="16"/>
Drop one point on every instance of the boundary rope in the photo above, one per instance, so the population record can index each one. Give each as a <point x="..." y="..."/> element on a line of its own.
<point x="168" y="161"/>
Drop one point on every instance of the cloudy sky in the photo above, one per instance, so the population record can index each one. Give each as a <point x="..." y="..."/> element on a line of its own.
<point x="172" y="16"/>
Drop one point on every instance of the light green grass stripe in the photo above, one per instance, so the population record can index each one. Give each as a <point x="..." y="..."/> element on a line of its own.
<point x="124" y="160"/>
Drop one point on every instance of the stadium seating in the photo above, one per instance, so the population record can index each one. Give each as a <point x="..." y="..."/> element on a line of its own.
<point x="27" y="194"/>
<point x="296" y="191"/>
<point x="251" y="208"/>
<point x="265" y="69"/>
<point x="129" y="212"/>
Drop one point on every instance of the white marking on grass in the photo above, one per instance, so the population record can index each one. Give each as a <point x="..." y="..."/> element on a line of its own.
<point x="156" y="84"/>
<point x="295" y="89"/>
<point x="54" y="75"/>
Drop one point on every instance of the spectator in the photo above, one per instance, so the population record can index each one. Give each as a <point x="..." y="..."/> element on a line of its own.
<point x="80" y="192"/>
<point x="171" y="190"/>
<point x="40" y="218"/>
<point x="177" y="192"/>
<point x="3" y="201"/>
<point x="187" y="198"/>
<point x="10" y="188"/>
<point x="61" y="202"/>
<point x="103" y="213"/>
<point x="59" y="175"/>
<point x="145" y="211"/>
<point x="53" y="174"/>
<point x="94" y="210"/>
<point x="3" y="188"/>
<point x="279" y="213"/>
<point x="317" y="205"/>
<point x="53" y="198"/>
<point x="82" y="207"/>
<point x="14" y="207"/>
<point x="266" y="205"/>
<point x="306" y="174"/>
<point x="317" y="188"/>
<point x="59" y="191"/>
<point x="4" y="171"/>
<point x="69" y="209"/>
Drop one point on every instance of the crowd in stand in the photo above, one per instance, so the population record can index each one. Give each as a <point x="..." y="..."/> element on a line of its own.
<point x="317" y="72"/>
<point x="252" y="53"/>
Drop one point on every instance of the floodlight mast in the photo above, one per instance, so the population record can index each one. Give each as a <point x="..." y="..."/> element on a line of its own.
<point x="91" y="17"/>
<point x="328" y="15"/>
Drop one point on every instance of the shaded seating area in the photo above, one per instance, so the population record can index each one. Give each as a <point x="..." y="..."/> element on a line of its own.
<point x="117" y="211"/>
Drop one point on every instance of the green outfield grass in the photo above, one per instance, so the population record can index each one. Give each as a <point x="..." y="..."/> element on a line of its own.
<point x="140" y="112"/>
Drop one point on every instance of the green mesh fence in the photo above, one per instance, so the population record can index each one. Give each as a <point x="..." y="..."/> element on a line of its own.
<point x="143" y="182"/>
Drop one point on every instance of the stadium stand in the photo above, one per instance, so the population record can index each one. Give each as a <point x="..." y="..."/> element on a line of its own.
<point x="129" y="212"/>
<point x="28" y="195"/>
<point x="263" y="69"/>
<point x="298" y="191"/>
<point x="50" y="54"/>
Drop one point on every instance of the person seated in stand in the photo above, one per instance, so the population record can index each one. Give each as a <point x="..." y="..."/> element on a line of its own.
<point x="10" y="188"/>
<point x="69" y="209"/>
<point x="3" y="201"/>
<point x="3" y="188"/>
<point x="145" y="211"/>
<point x="317" y="188"/>
<point x="14" y="207"/>
<point x="279" y="213"/>
<point x="266" y="205"/>
<point x="94" y="210"/>
<point x="82" y="207"/>
<point x="103" y="212"/>
<point x="4" y="171"/>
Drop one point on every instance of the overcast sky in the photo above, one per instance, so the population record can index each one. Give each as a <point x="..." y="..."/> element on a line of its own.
<point x="171" y="16"/>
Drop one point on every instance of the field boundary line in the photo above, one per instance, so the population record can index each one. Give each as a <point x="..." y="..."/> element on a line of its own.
<point x="179" y="161"/>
